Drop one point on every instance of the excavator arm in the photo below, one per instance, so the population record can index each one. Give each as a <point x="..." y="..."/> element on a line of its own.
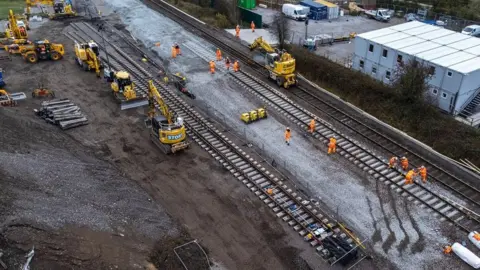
<point x="154" y="94"/>
<point x="262" y="43"/>
<point x="95" y="60"/>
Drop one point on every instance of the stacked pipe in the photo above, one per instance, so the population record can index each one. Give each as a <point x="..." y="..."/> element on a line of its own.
<point x="63" y="113"/>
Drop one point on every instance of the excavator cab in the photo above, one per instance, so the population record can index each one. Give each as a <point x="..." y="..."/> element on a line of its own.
<point x="123" y="81"/>
<point x="94" y="47"/>
<point x="59" y="7"/>
<point x="271" y="58"/>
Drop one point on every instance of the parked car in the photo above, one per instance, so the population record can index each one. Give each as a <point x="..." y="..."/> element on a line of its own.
<point x="472" y="30"/>
<point x="295" y="12"/>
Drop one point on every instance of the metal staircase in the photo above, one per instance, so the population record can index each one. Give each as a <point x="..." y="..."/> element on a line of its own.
<point x="471" y="107"/>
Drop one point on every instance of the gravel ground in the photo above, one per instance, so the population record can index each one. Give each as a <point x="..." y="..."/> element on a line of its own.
<point x="406" y="236"/>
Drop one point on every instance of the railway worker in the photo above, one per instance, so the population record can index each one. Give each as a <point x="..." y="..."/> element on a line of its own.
<point x="269" y="191"/>
<point x="332" y="145"/>
<point x="212" y="67"/>
<point x="393" y="162"/>
<point x="165" y="80"/>
<point x="312" y="126"/>
<point x="174" y="52"/>
<point x="237" y="31"/>
<point x="288" y="135"/>
<point x="227" y="63"/>
<point x="404" y="163"/>
<point x="477" y="236"/>
<point x="409" y="177"/>
<point x="219" y="54"/>
<point x="447" y="250"/>
<point x="423" y="173"/>
<point x="177" y="49"/>
<point x="252" y="25"/>
<point x="236" y="66"/>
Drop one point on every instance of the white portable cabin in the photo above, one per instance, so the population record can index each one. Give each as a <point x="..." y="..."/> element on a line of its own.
<point x="454" y="82"/>
<point x="466" y="255"/>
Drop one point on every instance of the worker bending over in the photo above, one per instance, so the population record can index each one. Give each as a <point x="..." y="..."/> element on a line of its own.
<point x="393" y="162"/>
<point x="447" y="250"/>
<point x="177" y="49"/>
<point x="219" y="54"/>
<point x="227" y="63"/>
<point x="252" y="25"/>
<point x="409" y="177"/>
<point x="174" y="52"/>
<point x="212" y="67"/>
<point x="423" y="173"/>
<point x="332" y="145"/>
<point x="288" y="135"/>
<point x="404" y="163"/>
<point x="237" y="31"/>
<point x="311" y="126"/>
<point x="236" y="66"/>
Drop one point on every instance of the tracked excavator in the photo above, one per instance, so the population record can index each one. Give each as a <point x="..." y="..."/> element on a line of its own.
<point x="62" y="8"/>
<point x="280" y="64"/>
<point x="124" y="90"/>
<point x="87" y="55"/>
<point x="169" y="135"/>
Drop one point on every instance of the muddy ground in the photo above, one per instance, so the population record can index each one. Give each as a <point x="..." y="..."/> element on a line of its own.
<point x="103" y="197"/>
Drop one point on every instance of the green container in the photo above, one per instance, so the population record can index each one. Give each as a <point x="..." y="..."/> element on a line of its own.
<point x="253" y="4"/>
<point x="243" y="3"/>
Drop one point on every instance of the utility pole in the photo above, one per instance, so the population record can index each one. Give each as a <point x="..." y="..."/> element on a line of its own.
<point x="306" y="28"/>
<point x="101" y="27"/>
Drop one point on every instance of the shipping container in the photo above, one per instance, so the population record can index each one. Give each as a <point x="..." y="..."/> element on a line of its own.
<point x="317" y="11"/>
<point x="247" y="4"/>
<point x="333" y="10"/>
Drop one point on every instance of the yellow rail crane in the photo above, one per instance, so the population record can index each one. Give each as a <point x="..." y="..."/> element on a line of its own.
<point x="280" y="64"/>
<point x="124" y="90"/>
<point x="87" y="55"/>
<point x="170" y="136"/>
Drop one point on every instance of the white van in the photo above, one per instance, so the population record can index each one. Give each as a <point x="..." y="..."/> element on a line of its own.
<point x="295" y="12"/>
<point x="472" y="30"/>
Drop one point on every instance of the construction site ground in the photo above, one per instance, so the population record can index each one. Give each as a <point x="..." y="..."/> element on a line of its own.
<point x="102" y="196"/>
<point x="402" y="234"/>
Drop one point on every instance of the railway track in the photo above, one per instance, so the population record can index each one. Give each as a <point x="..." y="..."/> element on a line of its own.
<point x="327" y="236"/>
<point x="466" y="218"/>
<point x="463" y="217"/>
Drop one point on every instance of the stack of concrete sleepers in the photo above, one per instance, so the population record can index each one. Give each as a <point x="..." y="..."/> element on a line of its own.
<point x="63" y="113"/>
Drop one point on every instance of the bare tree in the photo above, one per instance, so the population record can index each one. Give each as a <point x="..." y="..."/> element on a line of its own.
<point x="410" y="80"/>
<point x="280" y="29"/>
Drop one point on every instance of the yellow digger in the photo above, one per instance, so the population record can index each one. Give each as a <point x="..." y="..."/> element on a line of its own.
<point x="87" y="56"/>
<point x="280" y="64"/>
<point x="168" y="135"/>
<point x="124" y="90"/>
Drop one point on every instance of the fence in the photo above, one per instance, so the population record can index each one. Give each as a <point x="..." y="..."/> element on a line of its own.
<point x="451" y="22"/>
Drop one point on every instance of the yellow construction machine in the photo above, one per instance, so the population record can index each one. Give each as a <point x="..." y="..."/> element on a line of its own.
<point x="168" y="135"/>
<point x="124" y="90"/>
<point x="7" y="99"/>
<point x="280" y="64"/>
<point x="87" y="55"/>
<point x="15" y="33"/>
<point x="62" y="8"/>
<point x="42" y="50"/>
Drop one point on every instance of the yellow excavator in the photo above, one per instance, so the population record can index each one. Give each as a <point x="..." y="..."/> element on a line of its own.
<point x="280" y="64"/>
<point x="87" y="55"/>
<point x="62" y="8"/>
<point x="168" y="135"/>
<point x="124" y="90"/>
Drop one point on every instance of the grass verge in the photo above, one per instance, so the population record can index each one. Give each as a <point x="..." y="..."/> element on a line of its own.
<point x="421" y="121"/>
<point x="206" y="14"/>
<point x="17" y="6"/>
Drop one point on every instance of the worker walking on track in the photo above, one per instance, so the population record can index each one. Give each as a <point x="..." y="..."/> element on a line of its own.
<point x="332" y="145"/>
<point x="212" y="67"/>
<point x="404" y="163"/>
<point x="393" y="162"/>
<point x="409" y="177"/>
<point x="311" y="126"/>
<point x="423" y="173"/>
<point x="227" y="63"/>
<point x="288" y="135"/>
<point x="174" y="52"/>
<point x="177" y="49"/>
<point x="237" y="31"/>
<point x="236" y="66"/>
<point x="252" y="25"/>
<point x="219" y="54"/>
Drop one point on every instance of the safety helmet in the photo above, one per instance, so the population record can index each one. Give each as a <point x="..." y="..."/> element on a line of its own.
<point x="288" y="129"/>
<point x="403" y="157"/>
<point x="421" y="167"/>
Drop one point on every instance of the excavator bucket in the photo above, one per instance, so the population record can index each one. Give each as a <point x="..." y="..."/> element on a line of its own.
<point x="131" y="104"/>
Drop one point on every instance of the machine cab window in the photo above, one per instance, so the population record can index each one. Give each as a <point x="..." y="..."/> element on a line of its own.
<point x="123" y="79"/>
<point x="94" y="48"/>
<point x="272" y="58"/>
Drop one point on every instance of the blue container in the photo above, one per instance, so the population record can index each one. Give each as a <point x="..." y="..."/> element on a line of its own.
<point x="314" y="6"/>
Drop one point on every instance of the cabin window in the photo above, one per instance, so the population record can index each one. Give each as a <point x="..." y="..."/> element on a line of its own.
<point x="385" y="53"/>
<point x="444" y="95"/>
<point x="370" y="48"/>
<point x="399" y="58"/>
<point x="435" y="91"/>
<point x="387" y="75"/>
<point x="362" y="64"/>
<point x="431" y="70"/>
<point x="449" y="74"/>
<point x="374" y="70"/>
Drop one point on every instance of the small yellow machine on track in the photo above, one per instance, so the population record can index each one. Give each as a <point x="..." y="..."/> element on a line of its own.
<point x="254" y="115"/>
<point x="124" y="90"/>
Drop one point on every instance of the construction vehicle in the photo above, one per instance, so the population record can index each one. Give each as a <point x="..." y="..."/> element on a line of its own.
<point x="87" y="55"/>
<point x="42" y="50"/>
<point x="62" y="9"/>
<point x="7" y="99"/>
<point x="43" y="92"/>
<point x="124" y="90"/>
<point x="280" y="64"/>
<point x="168" y="135"/>
<point x="16" y="30"/>
<point x="254" y="115"/>
<point x="180" y="83"/>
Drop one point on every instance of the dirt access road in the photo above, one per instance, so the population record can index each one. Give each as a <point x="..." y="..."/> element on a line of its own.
<point x="101" y="196"/>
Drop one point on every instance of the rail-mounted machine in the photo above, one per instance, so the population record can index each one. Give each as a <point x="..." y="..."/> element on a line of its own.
<point x="124" y="89"/>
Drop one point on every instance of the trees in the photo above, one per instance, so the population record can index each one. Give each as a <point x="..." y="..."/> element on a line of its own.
<point x="280" y="29"/>
<point x="410" y="80"/>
